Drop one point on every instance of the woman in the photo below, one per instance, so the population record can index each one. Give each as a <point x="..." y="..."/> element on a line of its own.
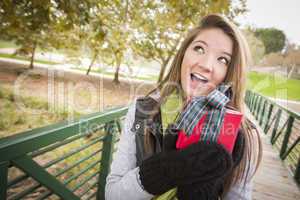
<point x="147" y="165"/>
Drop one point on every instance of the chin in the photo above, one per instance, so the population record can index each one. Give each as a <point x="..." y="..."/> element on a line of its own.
<point x="189" y="92"/>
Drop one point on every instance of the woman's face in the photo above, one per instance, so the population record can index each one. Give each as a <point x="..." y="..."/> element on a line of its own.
<point x="205" y="62"/>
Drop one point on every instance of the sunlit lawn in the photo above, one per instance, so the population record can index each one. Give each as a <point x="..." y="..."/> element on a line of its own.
<point x="26" y="113"/>
<point x="274" y="85"/>
<point x="5" y="55"/>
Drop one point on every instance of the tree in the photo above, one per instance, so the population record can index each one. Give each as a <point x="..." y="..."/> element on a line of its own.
<point x="256" y="46"/>
<point x="291" y="59"/>
<point x="104" y="38"/>
<point x="273" y="59"/>
<point x="25" y="22"/>
<point x="114" y="21"/>
<point x="94" y="42"/>
<point x="159" y="26"/>
<point x="273" y="39"/>
<point x="34" y="23"/>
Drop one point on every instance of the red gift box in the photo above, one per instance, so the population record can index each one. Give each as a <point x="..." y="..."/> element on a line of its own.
<point x="226" y="137"/>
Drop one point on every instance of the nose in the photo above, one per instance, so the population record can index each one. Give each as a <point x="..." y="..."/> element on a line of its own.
<point x="206" y="62"/>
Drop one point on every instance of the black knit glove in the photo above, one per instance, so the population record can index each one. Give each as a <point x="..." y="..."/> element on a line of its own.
<point x="198" y="163"/>
<point x="169" y="138"/>
<point x="201" y="191"/>
<point x="211" y="190"/>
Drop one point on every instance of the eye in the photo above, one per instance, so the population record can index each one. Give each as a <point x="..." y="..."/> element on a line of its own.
<point x="224" y="60"/>
<point x="199" y="49"/>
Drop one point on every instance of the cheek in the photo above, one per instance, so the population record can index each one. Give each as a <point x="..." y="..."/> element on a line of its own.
<point x="183" y="75"/>
<point x="187" y="62"/>
<point x="219" y="75"/>
<point x="184" y="70"/>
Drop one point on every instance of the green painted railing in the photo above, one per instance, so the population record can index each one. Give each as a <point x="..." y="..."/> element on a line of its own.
<point x="283" y="127"/>
<point x="68" y="160"/>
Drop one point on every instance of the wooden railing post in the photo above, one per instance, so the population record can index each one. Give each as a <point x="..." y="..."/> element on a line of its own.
<point x="3" y="179"/>
<point x="106" y="158"/>
<point x="286" y="136"/>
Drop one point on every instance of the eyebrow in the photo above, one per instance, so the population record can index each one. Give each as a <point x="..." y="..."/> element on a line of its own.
<point x="203" y="42"/>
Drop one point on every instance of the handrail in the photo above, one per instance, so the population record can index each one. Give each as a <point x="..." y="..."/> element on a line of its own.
<point x="93" y="134"/>
<point x="283" y="126"/>
<point x="293" y="113"/>
<point x="29" y="141"/>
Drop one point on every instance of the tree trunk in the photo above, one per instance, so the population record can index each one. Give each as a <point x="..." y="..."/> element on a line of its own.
<point x="116" y="77"/>
<point x="166" y="61"/>
<point x="291" y="71"/>
<point x="92" y="63"/>
<point x="32" y="56"/>
<point x="162" y="72"/>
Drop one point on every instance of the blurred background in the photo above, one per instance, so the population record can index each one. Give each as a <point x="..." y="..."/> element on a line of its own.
<point x="53" y="51"/>
<point x="129" y="40"/>
<point x="65" y="63"/>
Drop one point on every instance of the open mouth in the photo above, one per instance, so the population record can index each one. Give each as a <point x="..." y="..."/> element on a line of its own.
<point x="198" y="77"/>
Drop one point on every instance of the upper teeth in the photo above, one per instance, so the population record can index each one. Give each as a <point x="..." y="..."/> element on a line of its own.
<point x="200" y="76"/>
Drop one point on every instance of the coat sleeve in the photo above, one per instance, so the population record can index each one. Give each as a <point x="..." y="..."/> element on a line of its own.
<point x="123" y="181"/>
<point x="238" y="192"/>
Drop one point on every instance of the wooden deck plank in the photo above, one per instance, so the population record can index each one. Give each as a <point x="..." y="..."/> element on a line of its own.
<point x="273" y="181"/>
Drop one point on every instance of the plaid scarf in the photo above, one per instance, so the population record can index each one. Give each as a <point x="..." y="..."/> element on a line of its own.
<point x="214" y="105"/>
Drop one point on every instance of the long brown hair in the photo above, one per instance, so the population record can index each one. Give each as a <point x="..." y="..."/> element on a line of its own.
<point x="236" y="75"/>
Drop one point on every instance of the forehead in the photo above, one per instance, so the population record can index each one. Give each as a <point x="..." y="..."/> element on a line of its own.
<point x="216" y="39"/>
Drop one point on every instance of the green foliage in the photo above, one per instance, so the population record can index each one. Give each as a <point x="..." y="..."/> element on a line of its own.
<point x="159" y="26"/>
<point x="107" y="31"/>
<point x="9" y="115"/>
<point x="7" y="44"/>
<point x="25" y="22"/>
<point x="4" y="55"/>
<point x="14" y="119"/>
<point x="273" y="39"/>
<point x="5" y="93"/>
<point x="33" y="23"/>
<point x="256" y="46"/>
<point x="34" y="103"/>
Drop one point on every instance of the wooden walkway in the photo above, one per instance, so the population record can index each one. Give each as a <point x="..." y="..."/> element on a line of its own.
<point x="273" y="180"/>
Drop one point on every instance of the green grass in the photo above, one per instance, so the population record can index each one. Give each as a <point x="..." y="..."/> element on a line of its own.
<point x="33" y="113"/>
<point x="7" y="44"/>
<point x="274" y="85"/>
<point x="4" y="55"/>
<point x="100" y="71"/>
